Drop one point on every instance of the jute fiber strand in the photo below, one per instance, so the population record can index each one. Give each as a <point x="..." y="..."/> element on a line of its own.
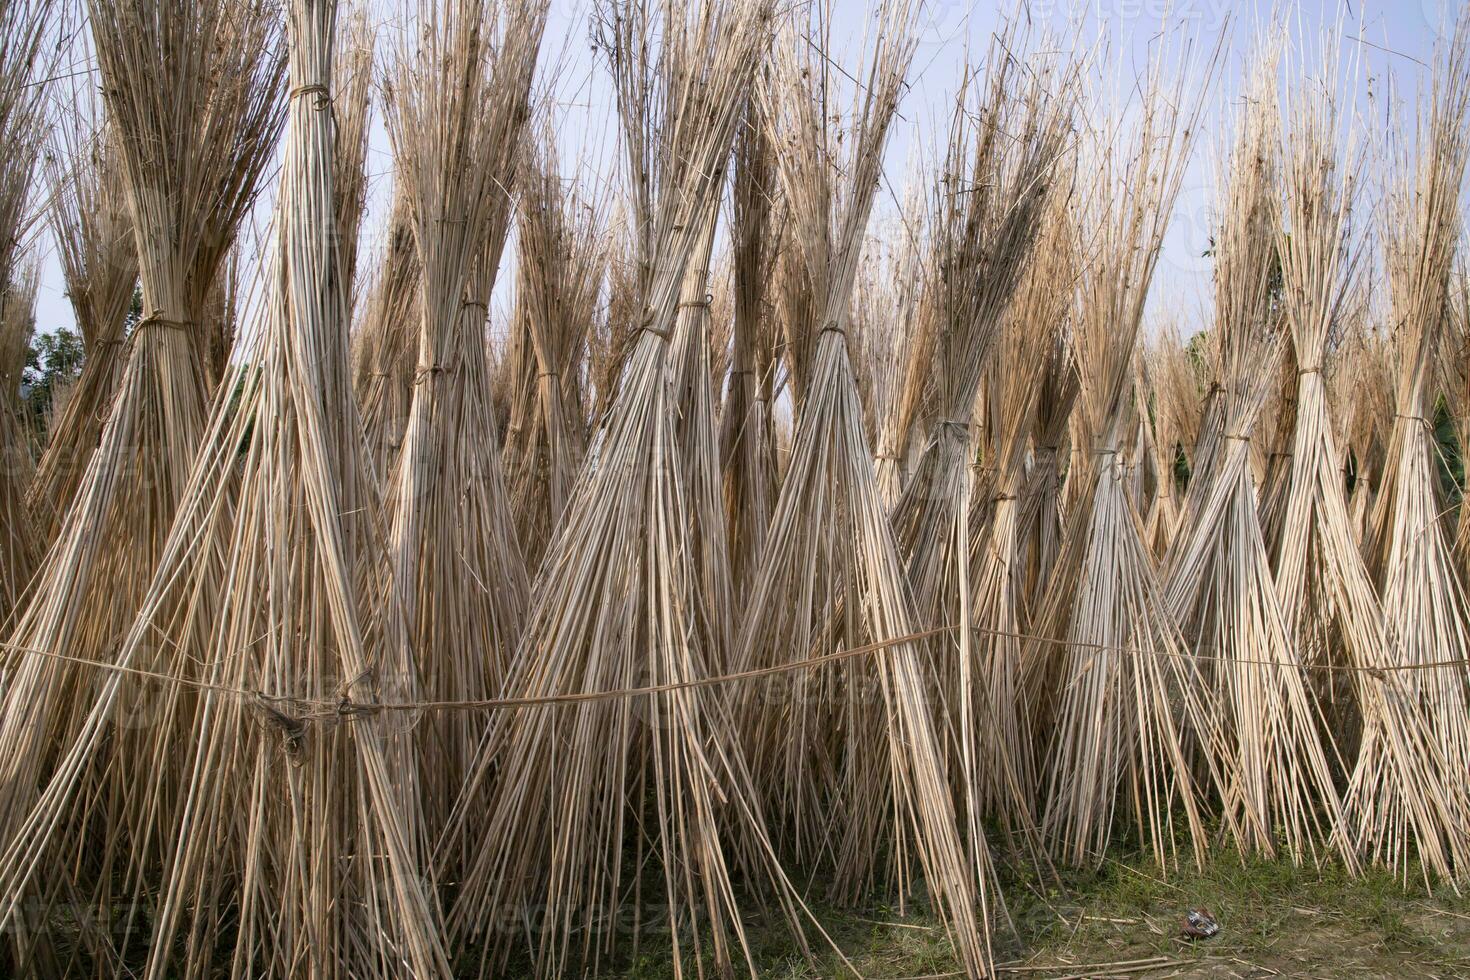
<point x="93" y="230"/>
<point x="1410" y="548"/>
<point x="1005" y="142"/>
<point x="1398" y="792"/>
<point x="457" y="102"/>
<point x="1219" y="585"/>
<point x="592" y="806"/>
<point x="194" y="91"/>
<point x="845" y="771"/>
<point x="1117" y="729"/>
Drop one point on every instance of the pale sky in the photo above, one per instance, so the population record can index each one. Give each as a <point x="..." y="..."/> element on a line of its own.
<point x="1395" y="39"/>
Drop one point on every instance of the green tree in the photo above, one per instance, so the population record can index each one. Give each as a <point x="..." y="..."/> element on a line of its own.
<point x="53" y="360"/>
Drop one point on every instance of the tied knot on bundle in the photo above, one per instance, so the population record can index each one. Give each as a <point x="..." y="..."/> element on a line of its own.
<point x="157" y="320"/>
<point x="323" y="95"/>
<point x="291" y="728"/>
<point x="434" y="370"/>
<point x="646" y="325"/>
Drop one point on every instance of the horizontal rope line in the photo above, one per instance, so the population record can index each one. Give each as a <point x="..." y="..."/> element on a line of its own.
<point x="340" y="708"/>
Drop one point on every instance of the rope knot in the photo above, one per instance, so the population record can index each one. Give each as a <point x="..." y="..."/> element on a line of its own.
<point x="646" y="325"/>
<point x="347" y="709"/>
<point x="322" y="93"/>
<point x="291" y="728"/>
<point x="157" y="319"/>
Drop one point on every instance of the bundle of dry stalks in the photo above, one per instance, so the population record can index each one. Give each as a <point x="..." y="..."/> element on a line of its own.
<point x="193" y="90"/>
<point x="1328" y="602"/>
<point x="352" y="78"/>
<point x="696" y="427"/>
<point x="384" y="340"/>
<point x="1110" y="680"/>
<point x="747" y="445"/>
<point x="1219" y="584"/>
<point x="1364" y="415"/>
<point x="93" y="230"/>
<point x="1271" y="449"/>
<point x="903" y="381"/>
<point x="991" y="199"/>
<point x="890" y="311"/>
<point x="1453" y="370"/>
<point x="795" y="304"/>
<point x="655" y="795"/>
<point x="21" y="548"/>
<point x="853" y="779"/>
<point x="996" y="188"/>
<point x="1409" y="550"/>
<point x="559" y="245"/>
<point x="616" y="321"/>
<point x="297" y="831"/>
<point x="25" y="67"/>
<point x="998" y="770"/>
<point x="1174" y="384"/>
<point x="1138" y="455"/>
<point x="874" y="329"/>
<point x="721" y="302"/>
<point x="1042" y="517"/>
<point x="457" y="102"/>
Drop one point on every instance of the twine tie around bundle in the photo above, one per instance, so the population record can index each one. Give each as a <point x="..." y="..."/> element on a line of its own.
<point x="322" y="93"/>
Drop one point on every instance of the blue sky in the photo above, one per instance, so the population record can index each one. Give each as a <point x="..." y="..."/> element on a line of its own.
<point x="1388" y="41"/>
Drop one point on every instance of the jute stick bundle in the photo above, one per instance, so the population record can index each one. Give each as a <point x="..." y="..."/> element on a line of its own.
<point x="1119" y="698"/>
<point x="1219" y="585"/>
<point x="657" y="780"/>
<point x="1000" y="767"/>
<point x="747" y="442"/>
<point x="21" y="547"/>
<point x="1426" y="610"/>
<point x="275" y="806"/>
<point x="846" y="773"/>
<point x="1398" y="791"/>
<point x="99" y="261"/>
<point x="194" y="91"/>
<point x="560" y="272"/>
<point x="25" y="67"/>
<point x="456" y="107"/>
<point x="383" y="348"/>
